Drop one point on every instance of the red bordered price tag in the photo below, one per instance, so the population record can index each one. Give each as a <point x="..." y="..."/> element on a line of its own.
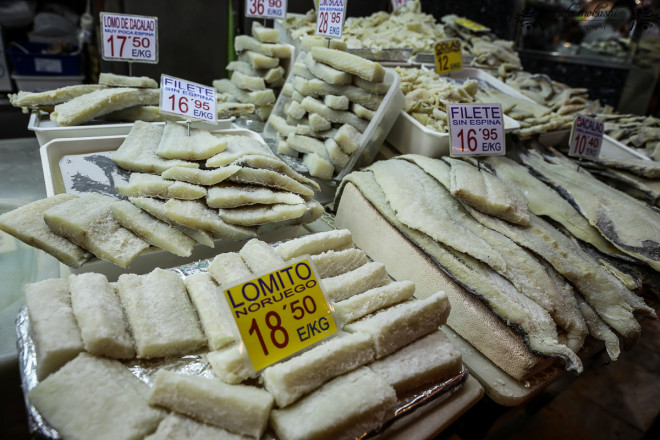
<point x="448" y="56"/>
<point x="476" y="129"/>
<point x="330" y="18"/>
<point x="187" y="99"/>
<point x="265" y="8"/>
<point x="131" y="38"/>
<point x="396" y="4"/>
<point x="280" y="313"/>
<point x="586" y="137"/>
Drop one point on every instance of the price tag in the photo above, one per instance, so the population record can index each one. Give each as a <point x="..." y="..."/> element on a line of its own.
<point x="472" y="25"/>
<point x="476" y="129"/>
<point x="330" y="18"/>
<point x="586" y="137"/>
<point x="448" y="56"/>
<point x="265" y="8"/>
<point x="129" y="37"/>
<point x="187" y="99"/>
<point x="396" y="4"/>
<point x="280" y="313"/>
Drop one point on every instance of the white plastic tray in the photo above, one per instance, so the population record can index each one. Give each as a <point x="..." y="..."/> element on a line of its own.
<point x="410" y="136"/>
<point x="376" y="131"/>
<point x="47" y="130"/>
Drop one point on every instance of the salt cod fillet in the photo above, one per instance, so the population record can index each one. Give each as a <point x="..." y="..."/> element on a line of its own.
<point x="229" y="195"/>
<point x="598" y="329"/>
<point x="270" y="179"/>
<point x="52" y="97"/>
<point x="538" y="328"/>
<point x="27" y="224"/>
<point x="91" y="105"/>
<point x="112" y="79"/>
<point x="415" y="196"/>
<point x="88" y="222"/>
<point x="177" y="143"/>
<point x="238" y="147"/>
<point x="197" y="215"/>
<point x="643" y="168"/>
<point x="138" y="151"/>
<point x="152" y="185"/>
<point x="261" y="214"/>
<point x="487" y="193"/>
<point x="346" y="62"/>
<point x="200" y="177"/>
<point x="545" y="201"/>
<point x="606" y="208"/>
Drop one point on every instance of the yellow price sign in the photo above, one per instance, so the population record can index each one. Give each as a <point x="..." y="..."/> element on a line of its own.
<point x="448" y="56"/>
<point x="472" y="25"/>
<point x="280" y="313"/>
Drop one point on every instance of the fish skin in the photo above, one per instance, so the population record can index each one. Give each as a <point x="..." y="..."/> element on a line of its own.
<point x="516" y="310"/>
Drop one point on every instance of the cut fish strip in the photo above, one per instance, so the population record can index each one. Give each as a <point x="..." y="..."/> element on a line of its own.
<point x="200" y="177"/>
<point x="313" y="244"/>
<point x="368" y="276"/>
<point x="209" y="301"/>
<point x="197" y="215"/>
<point x="259" y="256"/>
<point x="333" y="263"/>
<point x="350" y="63"/>
<point x="234" y="195"/>
<point x="271" y="179"/>
<point x="363" y="304"/>
<point x="228" y="268"/>
<point x="256" y="215"/>
<point x="152" y="185"/>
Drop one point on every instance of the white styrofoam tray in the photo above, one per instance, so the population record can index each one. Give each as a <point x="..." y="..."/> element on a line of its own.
<point x="47" y="130"/>
<point x="410" y="136"/>
<point x="376" y="131"/>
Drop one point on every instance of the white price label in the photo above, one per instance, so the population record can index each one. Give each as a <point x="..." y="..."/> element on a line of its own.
<point x="129" y="37"/>
<point x="586" y="137"/>
<point x="396" y="4"/>
<point x="476" y="129"/>
<point x="330" y="18"/>
<point x="187" y="99"/>
<point x="265" y="8"/>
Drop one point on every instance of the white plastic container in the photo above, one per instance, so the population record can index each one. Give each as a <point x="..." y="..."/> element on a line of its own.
<point x="46" y="130"/>
<point x="410" y="136"/>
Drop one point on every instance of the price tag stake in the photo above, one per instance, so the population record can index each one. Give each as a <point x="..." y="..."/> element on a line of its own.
<point x="132" y="38"/>
<point x="476" y="129"/>
<point x="586" y="137"/>
<point x="188" y="99"/>
<point x="448" y="56"/>
<point x="280" y="313"/>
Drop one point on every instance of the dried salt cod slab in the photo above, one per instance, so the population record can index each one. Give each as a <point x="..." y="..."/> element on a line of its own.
<point x="352" y="404"/>
<point x="247" y="82"/>
<point x="397" y="326"/>
<point x="362" y="304"/>
<point x="258" y="61"/>
<point x="360" y="280"/>
<point x="138" y="151"/>
<point x="275" y="164"/>
<point x="333" y="263"/>
<point x="88" y="222"/>
<point x="152" y="185"/>
<point x="228" y="195"/>
<point x="362" y="112"/>
<point x="94" y="389"/>
<point x="256" y="97"/>
<point x="378" y="88"/>
<point x="264" y="34"/>
<point x="338" y="157"/>
<point x="275" y="50"/>
<point x="325" y="72"/>
<point x="230" y="364"/>
<point x="348" y="138"/>
<point x="318" y="166"/>
<point x="51" y="97"/>
<point x="487" y="193"/>
<point x="176" y="143"/>
<point x="313" y="105"/>
<point x="259" y="256"/>
<point x="100" y="317"/>
<point x="208" y="299"/>
<point x="27" y="224"/>
<point x="162" y="319"/>
<point x="271" y="179"/>
<point x="428" y="360"/>
<point x="318" y="123"/>
<point x="313" y="211"/>
<point x="309" y="41"/>
<point x="145" y="113"/>
<point x="200" y="177"/>
<point x="197" y="215"/>
<point x="229" y="109"/>
<point x="347" y="62"/>
<point x="175" y="426"/>
<point x="274" y="75"/>
<point x="100" y="102"/>
<point x="240" y="409"/>
<point x="54" y="328"/>
<point x="261" y="214"/>
<point x="152" y="230"/>
<point x="289" y="380"/>
<point x="111" y="79"/>
<point x="313" y="244"/>
<point x="156" y="208"/>
<point x="228" y="268"/>
<point x="317" y="88"/>
<point x="238" y="147"/>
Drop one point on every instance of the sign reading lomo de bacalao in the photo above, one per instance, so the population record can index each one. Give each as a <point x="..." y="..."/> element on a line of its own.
<point x="330" y="18"/>
<point x="265" y="8"/>
<point x="132" y="38"/>
<point x="280" y="313"/>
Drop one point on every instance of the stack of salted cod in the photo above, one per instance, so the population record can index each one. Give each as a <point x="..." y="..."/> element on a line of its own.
<point x="333" y="97"/>
<point x="388" y="349"/>
<point x="639" y="132"/>
<point x="183" y="190"/>
<point x="258" y="74"/>
<point x="482" y="233"/>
